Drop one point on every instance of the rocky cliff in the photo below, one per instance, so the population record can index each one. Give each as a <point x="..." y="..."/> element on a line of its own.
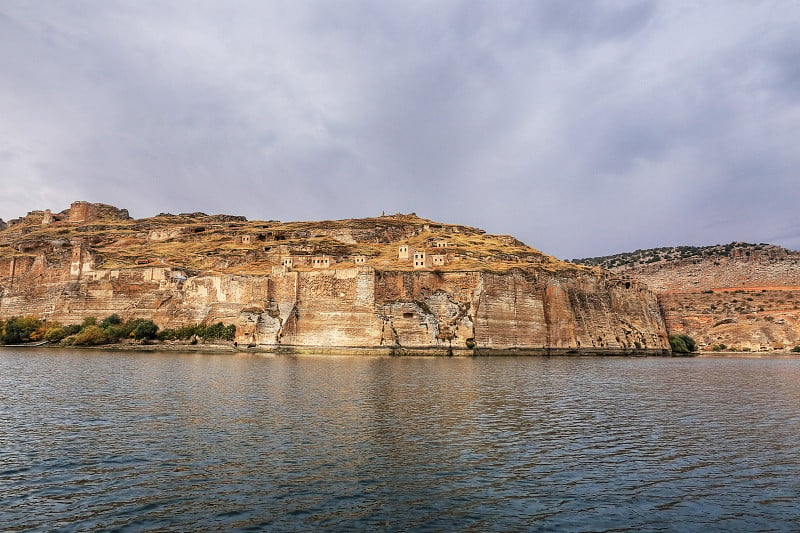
<point x="395" y="283"/>
<point x="734" y="296"/>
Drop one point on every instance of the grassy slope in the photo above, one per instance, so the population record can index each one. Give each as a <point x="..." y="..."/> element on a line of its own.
<point x="213" y="243"/>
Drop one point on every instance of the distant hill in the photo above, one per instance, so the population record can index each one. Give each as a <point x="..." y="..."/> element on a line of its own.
<point x="677" y="253"/>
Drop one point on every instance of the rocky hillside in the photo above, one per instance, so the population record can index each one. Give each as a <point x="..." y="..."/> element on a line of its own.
<point x="734" y="296"/>
<point x="397" y="283"/>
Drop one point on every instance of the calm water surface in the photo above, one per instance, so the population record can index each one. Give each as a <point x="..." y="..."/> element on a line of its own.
<point x="95" y="441"/>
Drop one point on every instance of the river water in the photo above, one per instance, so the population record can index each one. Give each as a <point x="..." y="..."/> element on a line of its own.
<point x="99" y="441"/>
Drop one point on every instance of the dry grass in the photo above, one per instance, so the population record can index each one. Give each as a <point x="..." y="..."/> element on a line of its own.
<point x="207" y="243"/>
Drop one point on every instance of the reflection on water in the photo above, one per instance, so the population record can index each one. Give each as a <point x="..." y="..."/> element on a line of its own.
<point x="99" y="441"/>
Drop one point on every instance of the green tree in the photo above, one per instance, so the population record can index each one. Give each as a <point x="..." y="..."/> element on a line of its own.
<point x="219" y="331"/>
<point x="146" y="329"/>
<point x="110" y="320"/>
<point x="682" y="343"/>
<point x="22" y="329"/>
<point x="56" y="334"/>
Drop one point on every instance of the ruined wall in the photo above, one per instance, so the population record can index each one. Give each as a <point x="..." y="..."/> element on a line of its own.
<point x="80" y="212"/>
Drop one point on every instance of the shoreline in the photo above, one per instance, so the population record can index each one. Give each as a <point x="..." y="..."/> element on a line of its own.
<point x="396" y="351"/>
<point x="360" y="350"/>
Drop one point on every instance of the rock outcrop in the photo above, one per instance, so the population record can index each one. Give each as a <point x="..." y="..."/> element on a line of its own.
<point x="737" y="296"/>
<point x="398" y="284"/>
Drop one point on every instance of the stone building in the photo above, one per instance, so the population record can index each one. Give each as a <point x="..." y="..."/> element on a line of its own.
<point x="322" y="261"/>
<point x="438" y="259"/>
<point x="421" y="260"/>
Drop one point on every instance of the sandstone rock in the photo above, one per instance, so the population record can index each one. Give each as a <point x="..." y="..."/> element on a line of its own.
<point x="184" y="269"/>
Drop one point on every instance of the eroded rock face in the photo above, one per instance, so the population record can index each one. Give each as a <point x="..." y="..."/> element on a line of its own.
<point x="359" y="307"/>
<point x="739" y="296"/>
<point x="515" y="305"/>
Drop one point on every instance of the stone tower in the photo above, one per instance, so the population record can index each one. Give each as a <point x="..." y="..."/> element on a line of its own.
<point x="80" y="212"/>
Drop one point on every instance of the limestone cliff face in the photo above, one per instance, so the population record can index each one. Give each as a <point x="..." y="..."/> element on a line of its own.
<point x="341" y="285"/>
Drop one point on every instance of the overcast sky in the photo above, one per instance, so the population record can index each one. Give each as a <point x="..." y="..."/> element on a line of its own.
<point x="581" y="127"/>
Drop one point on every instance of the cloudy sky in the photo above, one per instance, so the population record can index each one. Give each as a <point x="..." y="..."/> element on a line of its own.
<point x="581" y="127"/>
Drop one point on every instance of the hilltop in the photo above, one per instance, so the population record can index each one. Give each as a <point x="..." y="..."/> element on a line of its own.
<point x="687" y="254"/>
<point x="197" y="242"/>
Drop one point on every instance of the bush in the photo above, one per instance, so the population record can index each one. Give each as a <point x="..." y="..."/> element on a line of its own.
<point x="56" y="334"/>
<point x="796" y="349"/>
<point x="145" y="329"/>
<point x="115" y="333"/>
<point x="111" y="329"/>
<point x="181" y="333"/>
<point x="23" y="329"/>
<point x="91" y="336"/>
<point x="111" y="320"/>
<point x="682" y="344"/>
<point x="219" y="331"/>
<point x="72" y="329"/>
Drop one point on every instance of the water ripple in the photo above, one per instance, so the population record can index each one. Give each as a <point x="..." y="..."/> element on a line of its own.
<point x="132" y="442"/>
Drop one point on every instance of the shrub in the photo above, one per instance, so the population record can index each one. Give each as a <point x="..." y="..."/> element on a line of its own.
<point x="219" y="331"/>
<point x="181" y="333"/>
<point x="682" y="344"/>
<point x="56" y="334"/>
<point x="22" y="329"/>
<point x="796" y="349"/>
<point x="115" y="333"/>
<point x="72" y="329"/>
<point x="110" y="320"/>
<point x="91" y="336"/>
<point x="145" y="329"/>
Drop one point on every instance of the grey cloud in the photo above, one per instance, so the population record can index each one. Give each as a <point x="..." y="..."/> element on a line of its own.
<point x="582" y="128"/>
<point x="580" y="24"/>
